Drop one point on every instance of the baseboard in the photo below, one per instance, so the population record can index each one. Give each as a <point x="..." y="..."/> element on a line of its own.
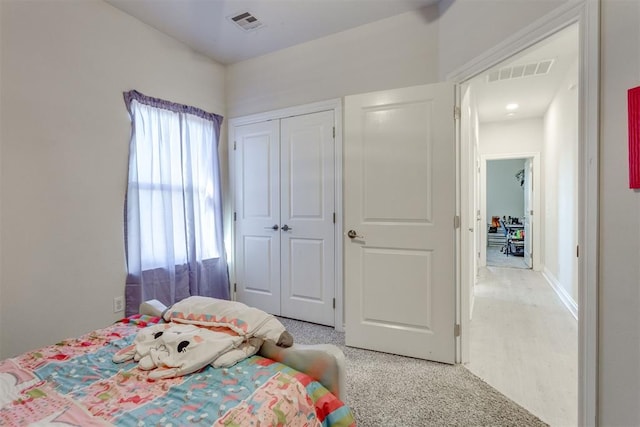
<point x="566" y="299"/>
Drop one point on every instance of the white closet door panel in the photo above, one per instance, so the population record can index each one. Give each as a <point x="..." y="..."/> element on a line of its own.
<point x="257" y="223"/>
<point x="306" y="271"/>
<point x="307" y="208"/>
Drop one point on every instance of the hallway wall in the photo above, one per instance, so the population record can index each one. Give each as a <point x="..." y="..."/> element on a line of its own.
<point x="511" y="137"/>
<point x="560" y="165"/>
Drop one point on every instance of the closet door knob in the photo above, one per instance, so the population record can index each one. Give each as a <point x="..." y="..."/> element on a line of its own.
<point x="274" y="227"/>
<point x="286" y="228"/>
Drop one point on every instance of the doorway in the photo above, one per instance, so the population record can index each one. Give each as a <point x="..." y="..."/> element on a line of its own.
<point x="507" y="130"/>
<point x="508" y="196"/>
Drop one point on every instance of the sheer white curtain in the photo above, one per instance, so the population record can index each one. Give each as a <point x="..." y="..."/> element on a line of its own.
<point x="174" y="235"/>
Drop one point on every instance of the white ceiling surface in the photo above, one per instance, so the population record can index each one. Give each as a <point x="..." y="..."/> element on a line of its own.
<point x="533" y="94"/>
<point x="205" y="26"/>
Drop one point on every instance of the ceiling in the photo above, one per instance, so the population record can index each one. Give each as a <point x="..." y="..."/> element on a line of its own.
<point x="533" y="93"/>
<point x="206" y="26"/>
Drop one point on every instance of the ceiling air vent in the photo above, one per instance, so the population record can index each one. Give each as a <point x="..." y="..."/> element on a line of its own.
<point x="518" y="71"/>
<point x="246" y="21"/>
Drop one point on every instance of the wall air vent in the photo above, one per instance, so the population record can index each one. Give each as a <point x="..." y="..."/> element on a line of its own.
<point x="518" y="71"/>
<point x="246" y="21"/>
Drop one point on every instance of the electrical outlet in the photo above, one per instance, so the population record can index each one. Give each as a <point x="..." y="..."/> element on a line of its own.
<point x="118" y="304"/>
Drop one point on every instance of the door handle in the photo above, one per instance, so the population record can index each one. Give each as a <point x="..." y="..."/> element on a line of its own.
<point x="352" y="234"/>
<point x="274" y="227"/>
<point x="286" y="228"/>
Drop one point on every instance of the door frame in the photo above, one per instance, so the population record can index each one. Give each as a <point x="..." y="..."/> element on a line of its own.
<point x="334" y="105"/>
<point x="536" y="242"/>
<point x="585" y="13"/>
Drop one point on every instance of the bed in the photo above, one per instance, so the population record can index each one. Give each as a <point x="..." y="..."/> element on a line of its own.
<point x="77" y="383"/>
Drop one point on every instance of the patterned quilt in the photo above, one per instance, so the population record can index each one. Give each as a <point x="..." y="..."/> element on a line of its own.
<point x="75" y="383"/>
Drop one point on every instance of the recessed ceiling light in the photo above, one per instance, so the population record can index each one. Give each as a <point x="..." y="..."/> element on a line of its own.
<point x="511" y="107"/>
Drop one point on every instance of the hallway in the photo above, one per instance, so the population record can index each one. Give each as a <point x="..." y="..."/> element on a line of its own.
<point x="524" y="343"/>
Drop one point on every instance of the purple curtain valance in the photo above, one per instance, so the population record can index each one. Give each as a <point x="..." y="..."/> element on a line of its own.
<point x="168" y="105"/>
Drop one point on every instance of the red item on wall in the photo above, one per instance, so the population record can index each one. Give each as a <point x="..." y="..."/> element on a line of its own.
<point x="633" y="99"/>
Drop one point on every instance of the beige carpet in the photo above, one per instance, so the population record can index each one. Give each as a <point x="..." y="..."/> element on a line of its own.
<point x="390" y="390"/>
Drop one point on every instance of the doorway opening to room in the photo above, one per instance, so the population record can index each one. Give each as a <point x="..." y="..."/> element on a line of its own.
<point x="508" y="205"/>
<point x="523" y="122"/>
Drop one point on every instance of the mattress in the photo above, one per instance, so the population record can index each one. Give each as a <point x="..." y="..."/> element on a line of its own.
<point x="75" y="382"/>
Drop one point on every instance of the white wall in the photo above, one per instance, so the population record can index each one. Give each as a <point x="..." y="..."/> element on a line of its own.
<point x="560" y="165"/>
<point x="511" y="137"/>
<point x="468" y="28"/>
<point x="391" y="53"/>
<point x="65" y="137"/>
<point x="505" y="196"/>
<point x="619" y="225"/>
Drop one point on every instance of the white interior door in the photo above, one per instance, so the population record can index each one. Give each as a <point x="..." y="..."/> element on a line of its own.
<point x="528" y="212"/>
<point x="307" y="209"/>
<point x="257" y="211"/>
<point x="400" y="187"/>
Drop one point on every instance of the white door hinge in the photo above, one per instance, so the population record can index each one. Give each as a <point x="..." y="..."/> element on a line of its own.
<point x="456" y="113"/>
<point x="234" y="145"/>
<point x="334" y="303"/>
<point x="456" y="330"/>
<point x="456" y="221"/>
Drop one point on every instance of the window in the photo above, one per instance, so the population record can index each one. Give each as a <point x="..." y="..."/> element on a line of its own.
<point x="173" y="207"/>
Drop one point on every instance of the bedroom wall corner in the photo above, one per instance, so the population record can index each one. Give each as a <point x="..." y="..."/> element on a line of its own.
<point x="65" y="141"/>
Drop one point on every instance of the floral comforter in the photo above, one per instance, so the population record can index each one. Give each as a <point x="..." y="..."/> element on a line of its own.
<point x="75" y="383"/>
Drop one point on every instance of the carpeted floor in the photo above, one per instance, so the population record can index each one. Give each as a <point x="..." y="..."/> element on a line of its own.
<point x="390" y="390"/>
<point x="495" y="258"/>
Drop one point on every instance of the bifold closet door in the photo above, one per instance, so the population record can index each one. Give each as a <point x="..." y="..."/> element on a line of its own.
<point x="284" y="207"/>
<point x="257" y="213"/>
<point x="307" y="206"/>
